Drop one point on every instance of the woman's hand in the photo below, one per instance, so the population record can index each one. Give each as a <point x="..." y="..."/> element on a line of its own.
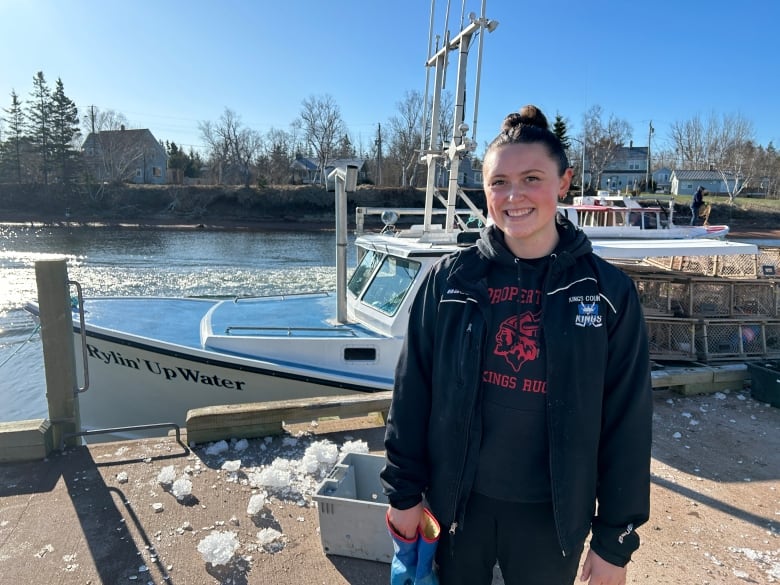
<point x="600" y="572"/>
<point x="405" y="522"/>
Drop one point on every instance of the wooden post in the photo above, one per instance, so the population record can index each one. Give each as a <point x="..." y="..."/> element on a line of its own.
<point x="58" y="358"/>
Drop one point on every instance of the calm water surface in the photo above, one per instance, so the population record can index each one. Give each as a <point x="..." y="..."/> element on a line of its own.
<point x="125" y="261"/>
<point x="165" y="262"/>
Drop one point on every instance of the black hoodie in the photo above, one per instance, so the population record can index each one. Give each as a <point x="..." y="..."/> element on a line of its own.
<point x="598" y="394"/>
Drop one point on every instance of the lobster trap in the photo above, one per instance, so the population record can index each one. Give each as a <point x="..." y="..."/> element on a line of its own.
<point x="680" y="295"/>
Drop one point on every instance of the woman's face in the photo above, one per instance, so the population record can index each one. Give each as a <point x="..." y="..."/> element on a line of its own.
<point x="522" y="188"/>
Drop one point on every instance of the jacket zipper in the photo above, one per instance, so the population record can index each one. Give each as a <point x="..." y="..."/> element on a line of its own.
<point x="454" y="524"/>
<point x="548" y="412"/>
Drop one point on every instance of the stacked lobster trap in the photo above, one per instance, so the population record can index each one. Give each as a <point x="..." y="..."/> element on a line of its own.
<point x="696" y="317"/>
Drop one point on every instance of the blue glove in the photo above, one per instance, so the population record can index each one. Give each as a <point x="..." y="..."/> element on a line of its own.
<point x="404" y="564"/>
<point x="427" y="541"/>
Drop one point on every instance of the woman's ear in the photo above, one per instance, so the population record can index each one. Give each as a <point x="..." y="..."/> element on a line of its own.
<point x="565" y="183"/>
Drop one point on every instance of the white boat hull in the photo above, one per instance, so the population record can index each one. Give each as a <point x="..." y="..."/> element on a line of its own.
<point x="136" y="384"/>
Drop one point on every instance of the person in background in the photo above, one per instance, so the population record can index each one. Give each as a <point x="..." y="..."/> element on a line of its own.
<point x="696" y="202"/>
<point x="522" y="407"/>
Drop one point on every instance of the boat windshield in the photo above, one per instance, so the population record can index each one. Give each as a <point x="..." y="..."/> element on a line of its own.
<point x="363" y="272"/>
<point x="392" y="282"/>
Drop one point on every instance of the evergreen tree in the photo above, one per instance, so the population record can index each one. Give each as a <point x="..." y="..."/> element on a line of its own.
<point x="40" y="130"/>
<point x="195" y="164"/>
<point x="560" y="130"/>
<point x="177" y="160"/>
<point x="12" y="148"/>
<point x="65" y="131"/>
<point x="344" y="148"/>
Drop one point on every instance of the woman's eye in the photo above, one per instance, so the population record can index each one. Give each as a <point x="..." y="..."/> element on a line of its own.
<point x="496" y="182"/>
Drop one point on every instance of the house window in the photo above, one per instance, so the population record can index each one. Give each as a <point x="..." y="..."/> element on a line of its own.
<point x="156" y="172"/>
<point x="137" y="172"/>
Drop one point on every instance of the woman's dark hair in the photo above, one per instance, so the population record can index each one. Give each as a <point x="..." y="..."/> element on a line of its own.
<point x="529" y="126"/>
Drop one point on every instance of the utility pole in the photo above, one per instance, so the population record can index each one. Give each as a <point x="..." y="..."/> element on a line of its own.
<point x="647" y="172"/>
<point x="92" y="118"/>
<point x="379" y="155"/>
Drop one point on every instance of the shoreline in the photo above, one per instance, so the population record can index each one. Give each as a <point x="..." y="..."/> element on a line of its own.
<point x="289" y="225"/>
<point x="177" y="224"/>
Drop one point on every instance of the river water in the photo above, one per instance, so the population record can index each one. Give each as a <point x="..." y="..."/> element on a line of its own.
<point x="129" y="261"/>
<point x="163" y="262"/>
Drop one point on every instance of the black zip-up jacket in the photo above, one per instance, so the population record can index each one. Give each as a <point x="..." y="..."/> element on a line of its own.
<point x="599" y="396"/>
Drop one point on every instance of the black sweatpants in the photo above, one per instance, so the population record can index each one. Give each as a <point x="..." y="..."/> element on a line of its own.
<point x="520" y="536"/>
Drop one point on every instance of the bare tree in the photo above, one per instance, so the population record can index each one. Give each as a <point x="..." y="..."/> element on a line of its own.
<point x="231" y="148"/>
<point x="734" y="153"/>
<point x="276" y="157"/>
<point x="321" y="125"/>
<point x="724" y="144"/>
<point x="692" y="140"/>
<point x="602" y="140"/>
<point x="403" y="140"/>
<point x="97" y="120"/>
<point x="446" y="117"/>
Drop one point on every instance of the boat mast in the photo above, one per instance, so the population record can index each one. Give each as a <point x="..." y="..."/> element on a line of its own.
<point x="460" y="143"/>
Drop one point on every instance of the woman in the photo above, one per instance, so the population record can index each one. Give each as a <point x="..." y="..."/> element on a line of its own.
<point x="522" y="395"/>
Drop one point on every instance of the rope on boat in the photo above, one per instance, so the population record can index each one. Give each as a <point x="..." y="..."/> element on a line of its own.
<point x="21" y="345"/>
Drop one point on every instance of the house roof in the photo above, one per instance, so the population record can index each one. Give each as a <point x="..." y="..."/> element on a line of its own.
<point x="123" y="138"/>
<point x="683" y="175"/>
<point x="303" y="163"/>
<point x="631" y="152"/>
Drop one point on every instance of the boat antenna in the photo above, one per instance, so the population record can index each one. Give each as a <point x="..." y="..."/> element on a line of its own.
<point x="459" y="144"/>
<point x="479" y="71"/>
<point x="427" y="79"/>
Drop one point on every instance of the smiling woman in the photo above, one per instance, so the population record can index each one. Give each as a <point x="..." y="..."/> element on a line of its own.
<point x="530" y="296"/>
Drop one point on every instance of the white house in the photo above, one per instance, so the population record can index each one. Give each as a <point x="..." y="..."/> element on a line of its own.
<point x="686" y="182"/>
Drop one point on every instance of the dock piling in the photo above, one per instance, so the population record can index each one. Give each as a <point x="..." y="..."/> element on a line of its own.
<point x="58" y="350"/>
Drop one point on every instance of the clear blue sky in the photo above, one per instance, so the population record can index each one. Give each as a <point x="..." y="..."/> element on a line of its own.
<point x="167" y="65"/>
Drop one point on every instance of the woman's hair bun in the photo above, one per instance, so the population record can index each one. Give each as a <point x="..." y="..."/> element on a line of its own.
<point x="528" y="115"/>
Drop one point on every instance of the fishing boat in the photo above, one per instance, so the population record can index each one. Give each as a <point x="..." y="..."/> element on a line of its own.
<point x="624" y="217"/>
<point x="150" y="360"/>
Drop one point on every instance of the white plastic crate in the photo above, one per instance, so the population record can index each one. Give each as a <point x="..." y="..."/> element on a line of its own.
<point x="351" y="507"/>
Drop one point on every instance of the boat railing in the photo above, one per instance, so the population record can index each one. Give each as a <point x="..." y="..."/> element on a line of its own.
<point x="263" y="331"/>
<point x="277" y="297"/>
<point x="362" y="212"/>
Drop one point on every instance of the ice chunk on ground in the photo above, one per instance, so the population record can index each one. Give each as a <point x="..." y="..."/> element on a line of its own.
<point x="217" y="448"/>
<point x="232" y="465"/>
<point x="270" y="539"/>
<point x="319" y="455"/>
<point x="167" y="475"/>
<point x="121" y="477"/>
<point x="277" y="475"/>
<point x="354" y="447"/>
<point x="218" y="547"/>
<point x="181" y="488"/>
<point x="241" y="445"/>
<point x="256" y="503"/>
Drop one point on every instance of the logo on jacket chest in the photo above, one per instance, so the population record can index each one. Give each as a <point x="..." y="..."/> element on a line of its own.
<point x="587" y="311"/>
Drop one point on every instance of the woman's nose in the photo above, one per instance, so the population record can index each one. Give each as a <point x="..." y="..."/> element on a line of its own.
<point x="515" y="190"/>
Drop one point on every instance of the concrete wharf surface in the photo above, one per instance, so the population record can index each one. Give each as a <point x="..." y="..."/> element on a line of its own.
<point x="68" y="519"/>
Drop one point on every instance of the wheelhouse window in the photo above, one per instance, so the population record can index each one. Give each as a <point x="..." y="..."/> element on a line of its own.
<point x="363" y="272"/>
<point x="389" y="287"/>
